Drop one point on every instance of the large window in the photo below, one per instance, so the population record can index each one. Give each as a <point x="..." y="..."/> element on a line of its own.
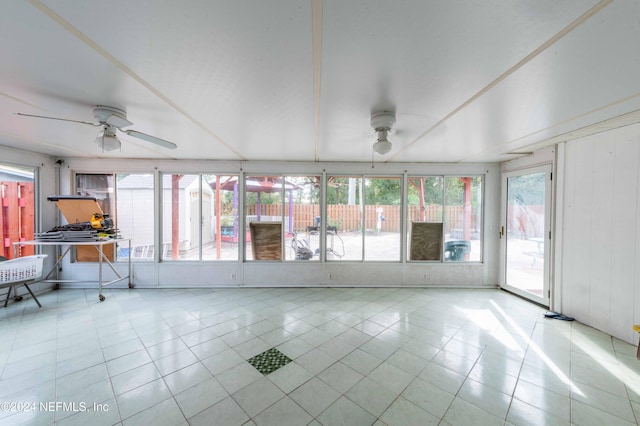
<point x="135" y="213"/>
<point x="200" y="217"/>
<point x="425" y="198"/>
<point x="263" y="203"/>
<point x="126" y="198"/>
<point x="292" y="201"/>
<point x="220" y="221"/>
<point x="363" y="214"/>
<point x="102" y="188"/>
<point x="363" y="218"/>
<point x="302" y="218"/>
<point x="382" y="197"/>
<point x="454" y="201"/>
<point x="345" y="218"/>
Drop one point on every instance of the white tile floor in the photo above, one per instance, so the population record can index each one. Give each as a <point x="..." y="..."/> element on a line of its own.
<point x="360" y="357"/>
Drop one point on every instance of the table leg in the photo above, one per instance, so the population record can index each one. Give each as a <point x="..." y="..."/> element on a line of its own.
<point x="100" y="295"/>
<point x="130" y="283"/>
<point x="16" y="297"/>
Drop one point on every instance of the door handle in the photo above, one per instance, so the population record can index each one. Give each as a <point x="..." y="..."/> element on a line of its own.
<point x="501" y="233"/>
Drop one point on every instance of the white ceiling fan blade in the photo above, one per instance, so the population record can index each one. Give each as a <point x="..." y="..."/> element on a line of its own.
<point x="151" y="139"/>
<point x="117" y="121"/>
<point x="56" y="118"/>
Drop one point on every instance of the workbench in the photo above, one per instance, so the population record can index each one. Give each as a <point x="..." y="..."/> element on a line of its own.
<point x="102" y="258"/>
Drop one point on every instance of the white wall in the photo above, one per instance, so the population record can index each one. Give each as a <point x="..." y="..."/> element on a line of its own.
<point x="599" y="273"/>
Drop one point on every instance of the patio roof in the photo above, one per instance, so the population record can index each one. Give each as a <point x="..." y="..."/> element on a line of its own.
<point x="257" y="184"/>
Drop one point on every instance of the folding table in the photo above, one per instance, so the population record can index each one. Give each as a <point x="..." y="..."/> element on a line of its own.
<point x="102" y="258"/>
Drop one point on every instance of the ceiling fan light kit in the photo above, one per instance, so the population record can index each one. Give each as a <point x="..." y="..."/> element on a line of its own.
<point x="107" y="139"/>
<point x="382" y="147"/>
<point x="382" y="122"/>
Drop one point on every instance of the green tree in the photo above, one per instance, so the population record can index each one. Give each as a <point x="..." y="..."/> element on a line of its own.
<point x="382" y="191"/>
<point x="338" y="190"/>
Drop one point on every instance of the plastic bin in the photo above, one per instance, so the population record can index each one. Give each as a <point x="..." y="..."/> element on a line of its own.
<point x="21" y="271"/>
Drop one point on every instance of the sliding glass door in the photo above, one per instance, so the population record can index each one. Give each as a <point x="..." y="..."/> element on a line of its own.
<point x="526" y="233"/>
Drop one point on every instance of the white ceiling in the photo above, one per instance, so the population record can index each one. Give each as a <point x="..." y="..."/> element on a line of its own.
<point x="297" y="80"/>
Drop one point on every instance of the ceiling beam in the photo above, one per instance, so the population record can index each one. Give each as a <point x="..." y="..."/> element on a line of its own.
<point x="316" y="24"/>
<point x="544" y="46"/>
<point x="112" y="59"/>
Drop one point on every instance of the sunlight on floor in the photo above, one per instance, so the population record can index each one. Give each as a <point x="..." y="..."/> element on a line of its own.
<point x="533" y="346"/>
<point x="487" y="321"/>
<point x="606" y="360"/>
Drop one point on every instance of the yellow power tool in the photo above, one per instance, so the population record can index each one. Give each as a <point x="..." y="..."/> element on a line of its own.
<point x="101" y="221"/>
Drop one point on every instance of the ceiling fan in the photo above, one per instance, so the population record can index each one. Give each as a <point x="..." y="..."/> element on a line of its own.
<point x="111" y="119"/>
<point x="382" y="122"/>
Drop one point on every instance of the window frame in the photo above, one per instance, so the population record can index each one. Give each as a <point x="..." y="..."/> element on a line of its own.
<point x="480" y="210"/>
<point x="198" y="177"/>
<point x="325" y="177"/>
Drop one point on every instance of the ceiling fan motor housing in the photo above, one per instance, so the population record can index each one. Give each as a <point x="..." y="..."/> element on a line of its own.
<point x="113" y="116"/>
<point x="383" y="120"/>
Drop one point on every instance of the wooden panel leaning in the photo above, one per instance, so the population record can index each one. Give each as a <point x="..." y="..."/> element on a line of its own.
<point x="426" y="241"/>
<point x="266" y="240"/>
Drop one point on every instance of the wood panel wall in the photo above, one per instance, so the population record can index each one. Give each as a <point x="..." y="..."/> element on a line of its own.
<point x="600" y="277"/>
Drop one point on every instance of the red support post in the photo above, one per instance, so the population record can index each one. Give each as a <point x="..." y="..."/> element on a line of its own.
<point x="27" y="216"/>
<point x="2" y="215"/>
<point x="11" y="217"/>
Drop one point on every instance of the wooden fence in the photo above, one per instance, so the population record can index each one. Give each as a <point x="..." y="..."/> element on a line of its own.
<point x="16" y="217"/>
<point x="348" y="217"/>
